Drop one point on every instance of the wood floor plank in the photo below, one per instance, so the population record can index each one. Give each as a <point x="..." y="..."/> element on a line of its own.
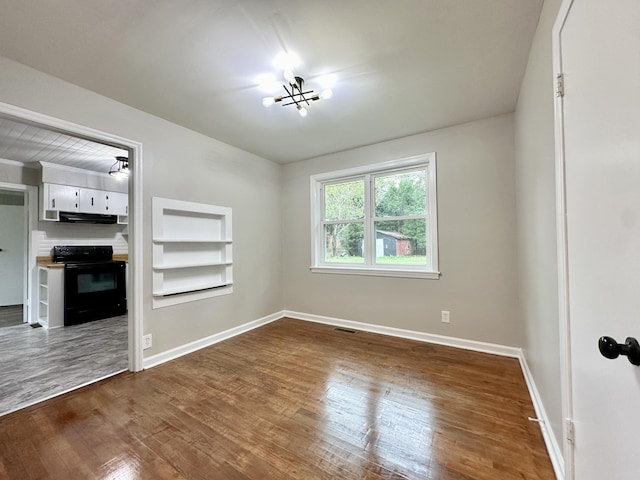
<point x="290" y="400"/>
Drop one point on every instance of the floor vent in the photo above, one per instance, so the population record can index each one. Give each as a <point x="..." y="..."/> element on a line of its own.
<point x="344" y="330"/>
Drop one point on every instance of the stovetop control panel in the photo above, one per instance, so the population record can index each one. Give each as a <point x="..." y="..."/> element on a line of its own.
<point x="81" y="253"/>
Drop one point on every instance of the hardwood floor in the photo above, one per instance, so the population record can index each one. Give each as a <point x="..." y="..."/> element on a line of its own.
<point x="290" y="400"/>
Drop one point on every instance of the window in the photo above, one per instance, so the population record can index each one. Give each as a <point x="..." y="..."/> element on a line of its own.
<point x="377" y="220"/>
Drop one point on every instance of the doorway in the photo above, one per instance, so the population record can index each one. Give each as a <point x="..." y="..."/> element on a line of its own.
<point x="27" y="198"/>
<point x="13" y="255"/>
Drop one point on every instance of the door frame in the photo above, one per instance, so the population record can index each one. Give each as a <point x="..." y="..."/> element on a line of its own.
<point x="564" y="318"/>
<point x="135" y="211"/>
<point x="28" y="261"/>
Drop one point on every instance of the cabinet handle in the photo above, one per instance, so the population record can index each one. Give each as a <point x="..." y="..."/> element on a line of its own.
<point x="53" y="203"/>
<point x="92" y="201"/>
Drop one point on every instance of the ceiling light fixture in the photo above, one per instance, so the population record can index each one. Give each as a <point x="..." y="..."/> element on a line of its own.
<point x="120" y="169"/>
<point x="296" y="94"/>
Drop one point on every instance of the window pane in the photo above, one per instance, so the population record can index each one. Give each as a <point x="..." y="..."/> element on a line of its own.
<point x="344" y="201"/>
<point x="401" y="242"/>
<point x="403" y="193"/>
<point x="344" y="242"/>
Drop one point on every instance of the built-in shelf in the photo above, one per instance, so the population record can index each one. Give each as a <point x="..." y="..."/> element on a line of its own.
<point x="192" y="251"/>
<point x="50" y="297"/>
<point x="188" y="240"/>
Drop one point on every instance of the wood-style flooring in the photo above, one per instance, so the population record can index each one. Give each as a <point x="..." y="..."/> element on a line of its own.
<point x="290" y="400"/>
<point x="10" y="315"/>
<point x="36" y="363"/>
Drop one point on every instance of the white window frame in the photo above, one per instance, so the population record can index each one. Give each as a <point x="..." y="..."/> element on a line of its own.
<point x="368" y="172"/>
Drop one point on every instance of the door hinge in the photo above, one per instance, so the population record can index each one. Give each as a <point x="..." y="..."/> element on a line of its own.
<point x="560" y="85"/>
<point x="570" y="430"/>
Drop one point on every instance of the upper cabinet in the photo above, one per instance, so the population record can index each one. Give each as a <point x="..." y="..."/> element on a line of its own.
<point x="93" y="201"/>
<point x="59" y="198"/>
<point x="56" y="198"/>
<point x="118" y="203"/>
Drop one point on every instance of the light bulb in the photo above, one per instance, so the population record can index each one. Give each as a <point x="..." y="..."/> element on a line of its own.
<point x="289" y="76"/>
<point x="268" y="101"/>
<point x="326" y="94"/>
<point x="302" y="111"/>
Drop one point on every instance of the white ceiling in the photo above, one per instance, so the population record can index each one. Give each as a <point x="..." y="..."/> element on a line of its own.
<point x="30" y="144"/>
<point x="402" y="67"/>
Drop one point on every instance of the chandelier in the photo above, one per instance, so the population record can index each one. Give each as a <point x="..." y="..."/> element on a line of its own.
<point x="120" y="169"/>
<point x="296" y="94"/>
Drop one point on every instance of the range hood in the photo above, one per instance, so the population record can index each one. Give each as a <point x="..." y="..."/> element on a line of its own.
<point x="76" y="217"/>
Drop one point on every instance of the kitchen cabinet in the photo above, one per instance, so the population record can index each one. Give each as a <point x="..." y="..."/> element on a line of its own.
<point x="118" y="203"/>
<point x="93" y="201"/>
<point x="60" y="198"/>
<point x="192" y="251"/>
<point x="56" y="198"/>
<point x="51" y="297"/>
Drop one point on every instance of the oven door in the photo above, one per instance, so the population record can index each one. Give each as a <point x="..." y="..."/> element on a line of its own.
<point x="93" y="291"/>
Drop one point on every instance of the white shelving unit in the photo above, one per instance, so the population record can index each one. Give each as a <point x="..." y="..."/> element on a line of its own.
<point x="50" y="297"/>
<point x="192" y="251"/>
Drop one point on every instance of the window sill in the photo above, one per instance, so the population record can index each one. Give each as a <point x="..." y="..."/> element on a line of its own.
<point x="376" y="272"/>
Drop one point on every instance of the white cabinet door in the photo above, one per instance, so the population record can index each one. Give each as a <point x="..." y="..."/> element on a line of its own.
<point x="118" y="203"/>
<point x="62" y="198"/>
<point x="93" y="201"/>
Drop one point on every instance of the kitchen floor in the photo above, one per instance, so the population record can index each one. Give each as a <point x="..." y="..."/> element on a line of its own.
<point x="36" y="364"/>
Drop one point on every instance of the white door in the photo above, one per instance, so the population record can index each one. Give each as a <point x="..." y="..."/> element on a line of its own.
<point x="600" y="57"/>
<point x="13" y="243"/>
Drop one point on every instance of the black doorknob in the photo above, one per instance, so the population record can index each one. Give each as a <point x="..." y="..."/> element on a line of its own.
<point x="611" y="349"/>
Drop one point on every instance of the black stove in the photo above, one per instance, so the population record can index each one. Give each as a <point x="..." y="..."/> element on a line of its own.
<point x="94" y="283"/>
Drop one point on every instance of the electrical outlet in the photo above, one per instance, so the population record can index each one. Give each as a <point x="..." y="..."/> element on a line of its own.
<point x="147" y="341"/>
<point x="445" y="316"/>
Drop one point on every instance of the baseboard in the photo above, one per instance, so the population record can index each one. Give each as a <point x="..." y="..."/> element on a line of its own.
<point x="483" y="347"/>
<point x="554" y="450"/>
<point x="174" y="353"/>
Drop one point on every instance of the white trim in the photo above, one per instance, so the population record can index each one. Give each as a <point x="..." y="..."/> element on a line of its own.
<point x="29" y="260"/>
<point x="135" y="228"/>
<point x="465" y="344"/>
<point x="367" y="174"/>
<point x="554" y="450"/>
<point x="564" y="320"/>
<point x="191" y="347"/>
<point x="376" y="272"/>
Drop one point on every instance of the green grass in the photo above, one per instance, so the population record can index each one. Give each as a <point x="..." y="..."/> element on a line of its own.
<point x="404" y="260"/>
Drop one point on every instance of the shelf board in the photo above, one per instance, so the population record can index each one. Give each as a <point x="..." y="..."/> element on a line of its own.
<point x="195" y="288"/>
<point x="191" y="265"/>
<point x="189" y="240"/>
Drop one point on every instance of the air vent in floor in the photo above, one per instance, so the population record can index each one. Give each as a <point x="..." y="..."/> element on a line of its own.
<point x="344" y="330"/>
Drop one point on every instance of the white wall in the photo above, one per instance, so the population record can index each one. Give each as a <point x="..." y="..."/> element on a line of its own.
<point x="13" y="244"/>
<point x="476" y="227"/>
<point x="181" y="164"/>
<point x="535" y="187"/>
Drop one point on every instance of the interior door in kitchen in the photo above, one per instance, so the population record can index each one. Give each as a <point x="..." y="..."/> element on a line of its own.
<point x="13" y="244"/>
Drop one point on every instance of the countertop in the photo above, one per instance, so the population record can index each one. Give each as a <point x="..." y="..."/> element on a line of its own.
<point x="49" y="263"/>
